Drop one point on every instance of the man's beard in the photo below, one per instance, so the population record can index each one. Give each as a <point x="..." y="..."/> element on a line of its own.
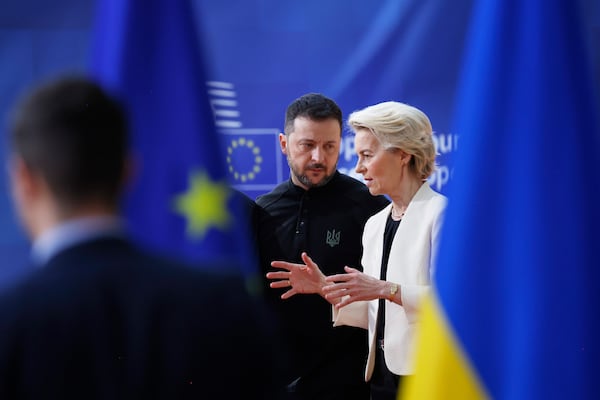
<point x="305" y="179"/>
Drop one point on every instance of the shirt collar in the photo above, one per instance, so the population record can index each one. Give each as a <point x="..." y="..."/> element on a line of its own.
<point x="301" y="190"/>
<point x="73" y="232"/>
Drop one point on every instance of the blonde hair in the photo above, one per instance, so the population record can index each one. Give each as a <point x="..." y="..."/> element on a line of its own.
<point x="398" y="125"/>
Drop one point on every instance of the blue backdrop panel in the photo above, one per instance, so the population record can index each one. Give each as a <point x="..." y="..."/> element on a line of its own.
<point x="357" y="52"/>
<point x="261" y="55"/>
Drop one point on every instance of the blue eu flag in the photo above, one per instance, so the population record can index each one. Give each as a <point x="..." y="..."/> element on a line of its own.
<point x="148" y="54"/>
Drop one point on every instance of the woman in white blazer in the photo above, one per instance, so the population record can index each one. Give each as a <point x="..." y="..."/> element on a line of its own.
<point x="396" y="155"/>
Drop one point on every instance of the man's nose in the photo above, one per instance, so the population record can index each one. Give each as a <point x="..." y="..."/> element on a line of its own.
<point x="317" y="154"/>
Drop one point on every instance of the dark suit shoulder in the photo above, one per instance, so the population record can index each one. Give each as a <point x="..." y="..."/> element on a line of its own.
<point x="108" y="304"/>
<point x="118" y="273"/>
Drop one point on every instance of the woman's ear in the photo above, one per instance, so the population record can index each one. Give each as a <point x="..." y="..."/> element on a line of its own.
<point x="404" y="156"/>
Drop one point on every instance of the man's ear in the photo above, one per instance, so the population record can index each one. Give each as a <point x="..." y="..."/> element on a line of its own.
<point x="28" y="190"/>
<point x="131" y="171"/>
<point x="25" y="184"/>
<point x="283" y="143"/>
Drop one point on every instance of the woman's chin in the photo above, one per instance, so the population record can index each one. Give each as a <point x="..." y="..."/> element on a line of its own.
<point x="374" y="191"/>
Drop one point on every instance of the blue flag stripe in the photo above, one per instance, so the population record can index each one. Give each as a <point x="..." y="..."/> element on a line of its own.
<point x="147" y="52"/>
<point x="517" y="274"/>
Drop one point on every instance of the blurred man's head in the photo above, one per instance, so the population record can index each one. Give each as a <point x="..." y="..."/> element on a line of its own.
<point x="312" y="139"/>
<point x="69" y="145"/>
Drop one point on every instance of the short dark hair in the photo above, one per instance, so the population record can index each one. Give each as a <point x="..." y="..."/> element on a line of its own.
<point x="74" y="135"/>
<point x="314" y="106"/>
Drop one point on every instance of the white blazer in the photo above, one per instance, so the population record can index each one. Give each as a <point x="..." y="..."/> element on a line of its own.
<point x="411" y="265"/>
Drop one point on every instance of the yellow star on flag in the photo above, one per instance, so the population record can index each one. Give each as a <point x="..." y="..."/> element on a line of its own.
<point x="204" y="205"/>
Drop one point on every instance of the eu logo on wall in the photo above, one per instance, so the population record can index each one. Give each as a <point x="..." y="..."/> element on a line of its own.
<point x="253" y="158"/>
<point x="252" y="155"/>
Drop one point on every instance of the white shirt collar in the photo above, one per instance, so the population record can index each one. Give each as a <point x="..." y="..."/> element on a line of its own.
<point x="73" y="232"/>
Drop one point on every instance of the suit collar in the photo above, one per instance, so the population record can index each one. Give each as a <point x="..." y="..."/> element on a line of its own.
<point x="424" y="193"/>
<point x="72" y="233"/>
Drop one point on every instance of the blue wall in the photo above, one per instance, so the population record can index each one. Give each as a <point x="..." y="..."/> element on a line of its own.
<point x="262" y="54"/>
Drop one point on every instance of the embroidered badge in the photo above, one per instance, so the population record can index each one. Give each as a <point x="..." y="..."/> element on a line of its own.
<point x="333" y="238"/>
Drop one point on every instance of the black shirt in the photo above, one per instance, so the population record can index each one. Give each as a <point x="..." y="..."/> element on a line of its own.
<point x="391" y="227"/>
<point x="327" y="222"/>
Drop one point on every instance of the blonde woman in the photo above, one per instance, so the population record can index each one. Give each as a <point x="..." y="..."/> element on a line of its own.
<point x="396" y="155"/>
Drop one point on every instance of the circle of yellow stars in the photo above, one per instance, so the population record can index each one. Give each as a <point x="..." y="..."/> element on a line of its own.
<point x="250" y="145"/>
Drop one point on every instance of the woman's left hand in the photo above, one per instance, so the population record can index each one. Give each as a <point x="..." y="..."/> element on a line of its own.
<point x="353" y="286"/>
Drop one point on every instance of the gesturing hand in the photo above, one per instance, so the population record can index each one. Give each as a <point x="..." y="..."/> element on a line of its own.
<point x="300" y="278"/>
<point x="352" y="286"/>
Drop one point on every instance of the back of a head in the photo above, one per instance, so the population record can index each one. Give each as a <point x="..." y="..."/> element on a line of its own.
<point x="313" y="106"/>
<point x="72" y="134"/>
<point x="399" y="125"/>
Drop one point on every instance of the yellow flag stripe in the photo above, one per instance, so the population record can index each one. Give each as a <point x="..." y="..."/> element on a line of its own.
<point x="442" y="371"/>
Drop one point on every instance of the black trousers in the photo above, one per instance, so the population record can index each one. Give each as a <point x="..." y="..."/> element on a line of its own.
<point x="384" y="383"/>
<point x="331" y="390"/>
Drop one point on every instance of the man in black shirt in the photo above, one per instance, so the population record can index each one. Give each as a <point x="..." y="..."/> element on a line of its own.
<point x="322" y="212"/>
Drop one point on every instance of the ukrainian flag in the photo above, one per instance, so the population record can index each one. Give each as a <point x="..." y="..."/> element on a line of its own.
<point x="516" y="307"/>
<point x="147" y="52"/>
